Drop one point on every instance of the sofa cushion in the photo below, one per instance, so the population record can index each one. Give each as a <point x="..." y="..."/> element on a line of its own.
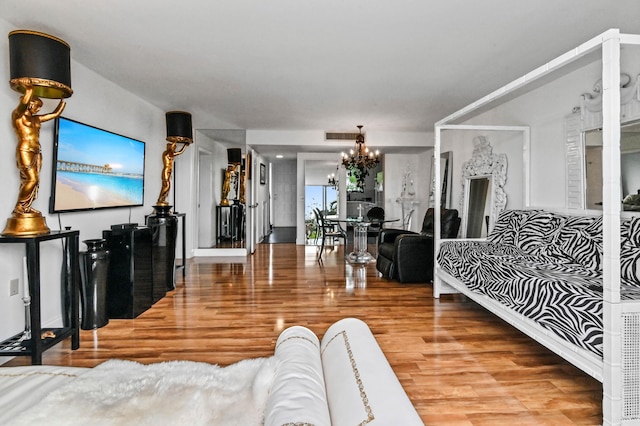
<point x="630" y="263"/>
<point x="633" y="231"/>
<point x="630" y="252"/>
<point x="581" y="239"/>
<point x="508" y="224"/>
<point x="536" y="231"/>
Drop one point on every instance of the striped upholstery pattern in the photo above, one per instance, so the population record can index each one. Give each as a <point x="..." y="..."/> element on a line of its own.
<point x="547" y="267"/>
<point x="630" y="252"/>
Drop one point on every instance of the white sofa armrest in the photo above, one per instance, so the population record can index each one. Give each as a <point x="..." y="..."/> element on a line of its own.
<point x="298" y="394"/>
<point x="361" y="385"/>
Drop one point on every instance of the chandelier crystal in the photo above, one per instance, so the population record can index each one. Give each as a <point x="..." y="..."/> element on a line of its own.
<point x="360" y="160"/>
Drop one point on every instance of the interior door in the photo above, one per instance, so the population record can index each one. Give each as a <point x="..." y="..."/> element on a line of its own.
<point x="284" y="188"/>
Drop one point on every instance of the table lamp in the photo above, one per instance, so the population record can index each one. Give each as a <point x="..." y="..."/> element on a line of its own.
<point x="40" y="67"/>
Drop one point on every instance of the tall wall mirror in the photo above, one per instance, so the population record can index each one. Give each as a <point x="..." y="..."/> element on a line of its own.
<point x="584" y="148"/>
<point x="221" y="224"/>
<point x="479" y="201"/>
<point x="483" y="194"/>
<point x="629" y="167"/>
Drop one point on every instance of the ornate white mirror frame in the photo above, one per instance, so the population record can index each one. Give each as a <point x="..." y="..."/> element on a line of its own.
<point x="483" y="164"/>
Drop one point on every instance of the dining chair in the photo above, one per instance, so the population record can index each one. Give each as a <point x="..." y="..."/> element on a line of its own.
<point x="373" y="215"/>
<point x="330" y="230"/>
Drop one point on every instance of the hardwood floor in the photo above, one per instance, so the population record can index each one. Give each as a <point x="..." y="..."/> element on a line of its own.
<point x="459" y="364"/>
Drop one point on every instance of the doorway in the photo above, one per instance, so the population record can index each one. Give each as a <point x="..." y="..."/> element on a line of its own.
<point x="322" y="197"/>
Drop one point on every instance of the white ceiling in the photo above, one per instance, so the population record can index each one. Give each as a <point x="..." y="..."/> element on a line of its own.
<point x="325" y="65"/>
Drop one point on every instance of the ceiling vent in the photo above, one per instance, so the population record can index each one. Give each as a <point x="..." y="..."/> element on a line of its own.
<point x="337" y="136"/>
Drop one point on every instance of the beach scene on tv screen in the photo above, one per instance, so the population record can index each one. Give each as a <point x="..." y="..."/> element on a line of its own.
<point x="96" y="168"/>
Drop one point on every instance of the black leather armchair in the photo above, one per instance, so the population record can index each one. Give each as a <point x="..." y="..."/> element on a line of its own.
<point x="408" y="256"/>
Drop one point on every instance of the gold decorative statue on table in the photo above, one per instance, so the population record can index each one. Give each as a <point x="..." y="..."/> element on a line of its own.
<point x="168" y="157"/>
<point x="179" y="137"/>
<point x="40" y="68"/>
<point x="229" y="177"/>
<point x="231" y="183"/>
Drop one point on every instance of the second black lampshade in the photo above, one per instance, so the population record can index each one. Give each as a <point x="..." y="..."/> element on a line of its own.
<point x="234" y="155"/>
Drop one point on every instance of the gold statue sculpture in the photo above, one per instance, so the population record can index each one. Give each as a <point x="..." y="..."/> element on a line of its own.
<point x="229" y="174"/>
<point x="243" y="198"/>
<point x="168" y="157"/>
<point x="26" y="124"/>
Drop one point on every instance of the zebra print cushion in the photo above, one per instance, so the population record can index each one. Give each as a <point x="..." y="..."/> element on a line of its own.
<point x="630" y="264"/>
<point x="633" y="231"/>
<point x="562" y="297"/>
<point x="630" y="253"/>
<point x="584" y="244"/>
<point x="506" y="228"/>
<point x="536" y="233"/>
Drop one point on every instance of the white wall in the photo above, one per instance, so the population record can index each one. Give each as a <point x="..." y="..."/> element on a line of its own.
<point x="95" y="101"/>
<point x="543" y="110"/>
<point x="510" y="143"/>
<point x="395" y="166"/>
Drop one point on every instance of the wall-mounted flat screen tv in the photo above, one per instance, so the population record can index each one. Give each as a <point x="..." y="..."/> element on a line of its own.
<point x="95" y="169"/>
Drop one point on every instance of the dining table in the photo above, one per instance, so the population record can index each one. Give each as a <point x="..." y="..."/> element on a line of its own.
<point x="360" y="253"/>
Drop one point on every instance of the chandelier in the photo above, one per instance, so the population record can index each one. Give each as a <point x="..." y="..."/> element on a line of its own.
<point x="360" y="160"/>
<point x="333" y="181"/>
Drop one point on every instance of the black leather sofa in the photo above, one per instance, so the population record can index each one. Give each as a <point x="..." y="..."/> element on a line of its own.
<point x="407" y="256"/>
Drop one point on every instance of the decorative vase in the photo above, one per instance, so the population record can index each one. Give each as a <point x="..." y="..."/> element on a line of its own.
<point x="164" y="230"/>
<point x="94" y="264"/>
<point x="162" y="211"/>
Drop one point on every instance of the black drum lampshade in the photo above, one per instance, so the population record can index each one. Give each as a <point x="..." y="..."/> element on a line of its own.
<point x="41" y="61"/>
<point x="234" y="155"/>
<point x="179" y="127"/>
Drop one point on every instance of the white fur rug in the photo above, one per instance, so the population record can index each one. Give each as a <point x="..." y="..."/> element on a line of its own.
<point x="121" y="392"/>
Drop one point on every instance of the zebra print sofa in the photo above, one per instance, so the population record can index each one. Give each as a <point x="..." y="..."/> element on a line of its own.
<point x="546" y="267"/>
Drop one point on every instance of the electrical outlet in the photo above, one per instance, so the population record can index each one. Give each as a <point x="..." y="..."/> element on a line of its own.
<point x="14" y="287"/>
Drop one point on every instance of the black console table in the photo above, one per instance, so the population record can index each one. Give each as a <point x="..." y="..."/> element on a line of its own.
<point x="35" y="346"/>
<point x="229" y="222"/>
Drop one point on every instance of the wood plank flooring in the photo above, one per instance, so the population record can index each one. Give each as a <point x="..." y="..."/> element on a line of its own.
<point x="459" y="364"/>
